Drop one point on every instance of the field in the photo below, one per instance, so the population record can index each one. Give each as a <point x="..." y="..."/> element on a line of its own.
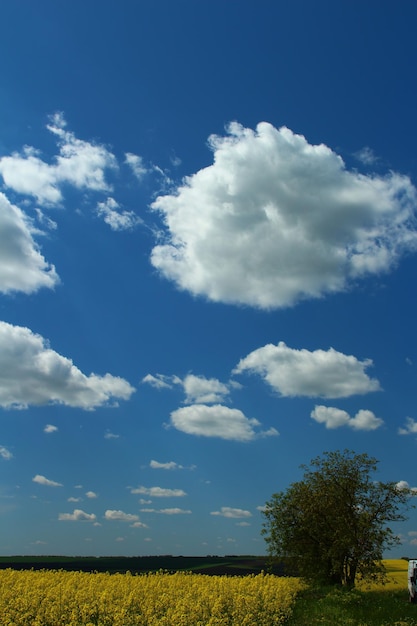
<point x="57" y="597"/>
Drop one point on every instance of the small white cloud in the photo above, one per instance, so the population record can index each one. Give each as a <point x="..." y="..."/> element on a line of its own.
<point x="159" y="492"/>
<point x="5" y="453"/>
<point x="335" y="418"/>
<point x="366" y="156"/>
<point x="114" y="515"/>
<point x="77" y="516"/>
<point x="160" y="381"/>
<point x="217" y="421"/>
<point x="33" y="374"/>
<point x="201" y="390"/>
<point x="410" y="427"/>
<point x="230" y="512"/>
<point x="22" y="266"/>
<point x="110" y="435"/>
<point x="171" y="465"/>
<point x="321" y="226"/>
<point x="135" y="162"/>
<point x="72" y="499"/>
<point x="138" y="525"/>
<point x="91" y="494"/>
<point x="50" y="428"/>
<point x="41" y="480"/>
<point x="172" y="511"/>
<point x="327" y="374"/>
<point x="117" y="218"/>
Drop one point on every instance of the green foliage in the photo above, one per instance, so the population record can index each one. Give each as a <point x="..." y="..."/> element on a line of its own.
<point x="333" y="525"/>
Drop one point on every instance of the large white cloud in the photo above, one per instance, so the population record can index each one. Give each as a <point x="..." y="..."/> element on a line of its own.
<point x="79" y="163"/>
<point x="326" y="374"/>
<point x="33" y="374"/>
<point x="217" y="421"/>
<point x="275" y="219"/>
<point x="333" y="417"/>
<point x="22" y="266"/>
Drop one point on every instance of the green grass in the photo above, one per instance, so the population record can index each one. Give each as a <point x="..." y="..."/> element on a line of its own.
<point x="353" y="608"/>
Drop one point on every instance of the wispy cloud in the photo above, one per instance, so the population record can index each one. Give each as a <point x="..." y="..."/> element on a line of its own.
<point x="116" y="217"/>
<point x="158" y="492"/>
<point x="326" y="374"/>
<point x="228" y="511"/>
<point x="172" y="511"/>
<point x="321" y="226"/>
<point x="5" y="454"/>
<point x="34" y="374"/>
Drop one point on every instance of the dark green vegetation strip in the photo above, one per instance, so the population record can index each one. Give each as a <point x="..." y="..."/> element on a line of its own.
<point x="215" y="565"/>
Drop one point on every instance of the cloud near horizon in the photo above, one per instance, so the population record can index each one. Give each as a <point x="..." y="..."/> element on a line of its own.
<point x="275" y="220"/>
<point x="33" y="374"/>
<point x="326" y="374"/>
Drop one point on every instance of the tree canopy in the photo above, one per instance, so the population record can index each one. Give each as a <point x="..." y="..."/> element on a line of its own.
<point x="334" y="524"/>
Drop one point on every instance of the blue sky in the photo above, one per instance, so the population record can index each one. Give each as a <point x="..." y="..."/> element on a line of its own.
<point x="207" y="264"/>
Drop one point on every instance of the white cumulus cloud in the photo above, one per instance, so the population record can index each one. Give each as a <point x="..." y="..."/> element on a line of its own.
<point x="217" y="421"/>
<point x="22" y="266"/>
<point x="78" y="515"/>
<point x="228" y="511"/>
<point x="333" y="417"/>
<point x="201" y="390"/>
<point x="79" y="163"/>
<point x="120" y="516"/>
<point x="42" y="480"/>
<point x="327" y="374"/>
<point x="275" y="219"/>
<point x="33" y="374"/>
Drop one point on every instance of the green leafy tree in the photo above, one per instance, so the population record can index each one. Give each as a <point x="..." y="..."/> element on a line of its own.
<point x="335" y="523"/>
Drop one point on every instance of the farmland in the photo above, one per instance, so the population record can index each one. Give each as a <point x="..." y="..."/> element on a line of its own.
<point x="52" y="597"/>
<point x="166" y="590"/>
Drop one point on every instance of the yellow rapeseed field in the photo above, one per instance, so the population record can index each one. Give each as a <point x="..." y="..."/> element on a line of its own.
<point x="59" y="598"/>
